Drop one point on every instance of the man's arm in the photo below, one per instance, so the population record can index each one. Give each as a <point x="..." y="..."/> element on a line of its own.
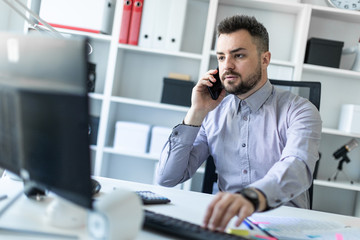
<point x="226" y="205"/>
<point x="201" y="101"/>
<point x="287" y="179"/>
<point x="180" y="159"/>
<point x="292" y="174"/>
<point x="187" y="147"/>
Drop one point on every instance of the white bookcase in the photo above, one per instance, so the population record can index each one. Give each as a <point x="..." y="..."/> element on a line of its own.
<point x="130" y="79"/>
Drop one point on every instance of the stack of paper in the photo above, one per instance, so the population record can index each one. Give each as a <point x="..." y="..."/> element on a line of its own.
<point x="289" y="228"/>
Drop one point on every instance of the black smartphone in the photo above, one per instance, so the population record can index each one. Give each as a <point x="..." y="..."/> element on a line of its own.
<point x="216" y="89"/>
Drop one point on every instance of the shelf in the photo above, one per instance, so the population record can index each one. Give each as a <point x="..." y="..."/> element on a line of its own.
<point x="336" y="14"/>
<point x="97" y="36"/>
<point x="268" y="5"/>
<point x="340" y="133"/>
<point x="329" y="71"/>
<point x="339" y="184"/>
<point x="155" y="158"/>
<point x="96" y="96"/>
<point x="282" y="63"/>
<point x="131" y="154"/>
<point x="149" y="104"/>
<point x="160" y="52"/>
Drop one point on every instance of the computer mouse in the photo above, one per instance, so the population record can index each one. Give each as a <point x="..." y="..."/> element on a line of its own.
<point x="35" y="193"/>
<point x="95" y="186"/>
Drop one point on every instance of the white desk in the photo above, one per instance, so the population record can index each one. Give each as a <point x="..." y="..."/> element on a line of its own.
<point x="189" y="206"/>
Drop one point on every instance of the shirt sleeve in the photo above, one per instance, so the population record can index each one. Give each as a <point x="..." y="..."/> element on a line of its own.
<point x="292" y="174"/>
<point x="183" y="153"/>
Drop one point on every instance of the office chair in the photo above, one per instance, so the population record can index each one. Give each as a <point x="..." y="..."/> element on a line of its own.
<point x="309" y="90"/>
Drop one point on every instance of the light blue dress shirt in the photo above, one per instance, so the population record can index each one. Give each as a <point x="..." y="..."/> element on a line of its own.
<point x="269" y="141"/>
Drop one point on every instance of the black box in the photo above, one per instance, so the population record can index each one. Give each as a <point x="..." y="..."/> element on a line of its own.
<point x="177" y="92"/>
<point x="323" y="52"/>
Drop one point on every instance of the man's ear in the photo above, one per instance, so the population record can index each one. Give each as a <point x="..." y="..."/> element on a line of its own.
<point x="265" y="58"/>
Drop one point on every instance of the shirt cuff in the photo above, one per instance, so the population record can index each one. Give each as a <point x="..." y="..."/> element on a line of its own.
<point x="272" y="197"/>
<point x="184" y="133"/>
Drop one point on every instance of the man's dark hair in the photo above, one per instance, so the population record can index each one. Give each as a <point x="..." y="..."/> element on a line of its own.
<point x="256" y="29"/>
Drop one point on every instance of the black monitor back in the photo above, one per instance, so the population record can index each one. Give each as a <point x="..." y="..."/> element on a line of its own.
<point x="44" y="113"/>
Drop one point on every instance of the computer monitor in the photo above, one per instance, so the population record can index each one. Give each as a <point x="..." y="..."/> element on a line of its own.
<point x="44" y="114"/>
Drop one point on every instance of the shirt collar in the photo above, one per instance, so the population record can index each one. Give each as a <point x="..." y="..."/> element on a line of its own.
<point x="258" y="98"/>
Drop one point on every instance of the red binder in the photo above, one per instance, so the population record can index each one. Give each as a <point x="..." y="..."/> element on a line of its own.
<point x="135" y="22"/>
<point x="125" y="21"/>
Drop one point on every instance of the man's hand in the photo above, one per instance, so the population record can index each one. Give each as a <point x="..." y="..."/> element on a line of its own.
<point x="227" y="205"/>
<point x="201" y="101"/>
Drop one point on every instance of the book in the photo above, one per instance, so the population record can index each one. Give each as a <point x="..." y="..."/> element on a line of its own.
<point x="180" y="76"/>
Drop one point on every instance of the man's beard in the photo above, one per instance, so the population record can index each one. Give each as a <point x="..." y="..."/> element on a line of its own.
<point x="246" y="84"/>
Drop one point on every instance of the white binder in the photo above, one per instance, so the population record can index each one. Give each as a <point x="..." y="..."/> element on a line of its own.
<point x="146" y="35"/>
<point x="162" y="24"/>
<point x="175" y="25"/>
<point x="160" y="20"/>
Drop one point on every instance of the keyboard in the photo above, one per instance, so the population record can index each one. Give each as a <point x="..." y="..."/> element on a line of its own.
<point x="149" y="197"/>
<point x="182" y="229"/>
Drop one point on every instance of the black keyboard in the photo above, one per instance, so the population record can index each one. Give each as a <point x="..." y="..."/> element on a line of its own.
<point x="182" y="229"/>
<point x="149" y="197"/>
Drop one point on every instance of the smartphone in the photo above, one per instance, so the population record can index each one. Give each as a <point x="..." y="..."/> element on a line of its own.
<point x="216" y="89"/>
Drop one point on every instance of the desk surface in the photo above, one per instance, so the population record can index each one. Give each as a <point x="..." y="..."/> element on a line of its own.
<point x="186" y="205"/>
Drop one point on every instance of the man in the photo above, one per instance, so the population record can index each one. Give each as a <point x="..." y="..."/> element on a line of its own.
<point x="264" y="141"/>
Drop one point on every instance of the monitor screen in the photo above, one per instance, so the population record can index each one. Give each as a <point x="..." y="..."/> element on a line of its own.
<point x="44" y="113"/>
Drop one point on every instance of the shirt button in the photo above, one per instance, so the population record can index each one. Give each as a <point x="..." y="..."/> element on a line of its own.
<point x="245" y="171"/>
<point x="291" y="195"/>
<point x="176" y="133"/>
<point x="243" y="145"/>
<point x="278" y="201"/>
<point x="245" y="118"/>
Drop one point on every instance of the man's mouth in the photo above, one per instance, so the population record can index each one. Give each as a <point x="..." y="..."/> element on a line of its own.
<point x="230" y="77"/>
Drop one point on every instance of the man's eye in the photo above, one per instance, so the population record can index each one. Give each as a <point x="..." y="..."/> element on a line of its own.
<point x="239" y="55"/>
<point x="220" y="58"/>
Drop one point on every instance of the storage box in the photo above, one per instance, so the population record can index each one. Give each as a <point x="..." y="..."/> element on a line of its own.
<point x="83" y="15"/>
<point x="131" y="137"/>
<point x="177" y="92"/>
<point x="350" y="118"/>
<point x="159" y="136"/>
<point x="323" y="52"/>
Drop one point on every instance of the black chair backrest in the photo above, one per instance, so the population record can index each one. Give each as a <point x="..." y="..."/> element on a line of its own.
<point x="306" y="89"/>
